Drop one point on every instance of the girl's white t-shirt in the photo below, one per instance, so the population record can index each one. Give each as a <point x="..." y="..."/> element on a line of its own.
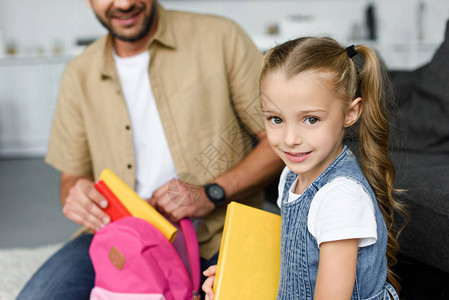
<point x="340" y="210"/>
<point x="154" y="163"/>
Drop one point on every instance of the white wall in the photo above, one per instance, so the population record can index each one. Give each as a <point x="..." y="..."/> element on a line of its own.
<point x="40" y="23"/>
<point x="33" y="24"/>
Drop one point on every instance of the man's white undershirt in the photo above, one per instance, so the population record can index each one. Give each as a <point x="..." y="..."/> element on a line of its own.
<point x="154" y="163"/>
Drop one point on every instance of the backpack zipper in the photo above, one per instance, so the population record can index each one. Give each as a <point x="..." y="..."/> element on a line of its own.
<point x="196" y="296"/>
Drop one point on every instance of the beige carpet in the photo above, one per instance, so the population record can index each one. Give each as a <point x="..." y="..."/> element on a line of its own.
<point x="18" y="264"/>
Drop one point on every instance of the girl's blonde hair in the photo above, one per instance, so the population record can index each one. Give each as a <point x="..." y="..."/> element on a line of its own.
<point x="366" y="79"/>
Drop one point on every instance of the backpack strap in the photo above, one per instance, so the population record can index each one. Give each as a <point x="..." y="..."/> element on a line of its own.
<point x="193" y="251"/>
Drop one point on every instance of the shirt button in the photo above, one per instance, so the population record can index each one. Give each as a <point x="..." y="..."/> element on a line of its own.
<point x="130" y="166"/>
<point x="118" y="92"/>
<point x="127" y="127"/>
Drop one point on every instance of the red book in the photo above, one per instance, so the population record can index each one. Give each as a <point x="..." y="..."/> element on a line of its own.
<point x="116" y="210"/>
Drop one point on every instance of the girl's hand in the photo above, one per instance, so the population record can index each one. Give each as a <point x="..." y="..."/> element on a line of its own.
<point x="209" y="282"/>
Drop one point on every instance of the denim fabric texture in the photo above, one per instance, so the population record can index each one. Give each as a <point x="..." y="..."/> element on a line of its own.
<point x="300" y="251"/>
<point x="67" y="275"/>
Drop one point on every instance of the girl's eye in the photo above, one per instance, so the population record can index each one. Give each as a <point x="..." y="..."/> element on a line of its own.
<point x="276" y="120"/>
<point x="311" y="120"/>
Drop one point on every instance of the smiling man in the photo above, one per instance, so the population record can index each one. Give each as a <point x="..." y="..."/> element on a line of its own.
<point x="166" y="96"/>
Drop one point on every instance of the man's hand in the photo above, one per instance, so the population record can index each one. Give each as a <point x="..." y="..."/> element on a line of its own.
<point x="82" y="203"/>
<point x="177" y="200"/>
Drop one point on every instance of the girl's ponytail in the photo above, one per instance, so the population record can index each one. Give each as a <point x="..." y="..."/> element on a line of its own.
<point x="374" y="87"/>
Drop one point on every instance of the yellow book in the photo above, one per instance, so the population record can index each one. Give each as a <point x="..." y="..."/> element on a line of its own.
<point x="249" y="260"/>
<point x="137" y="206"/>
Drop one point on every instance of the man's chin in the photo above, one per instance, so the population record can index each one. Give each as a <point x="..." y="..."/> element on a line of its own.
<point x="127" y="37"/>
<point x="132" y="34"/>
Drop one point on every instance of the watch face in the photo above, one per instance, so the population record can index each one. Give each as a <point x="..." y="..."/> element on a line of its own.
<point x="216" y="192"/>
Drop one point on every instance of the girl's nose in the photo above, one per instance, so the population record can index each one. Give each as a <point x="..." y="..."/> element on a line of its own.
<point x="292" y="136"/>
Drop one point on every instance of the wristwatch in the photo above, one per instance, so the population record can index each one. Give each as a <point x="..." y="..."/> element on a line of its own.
<point x="215" y="193"/>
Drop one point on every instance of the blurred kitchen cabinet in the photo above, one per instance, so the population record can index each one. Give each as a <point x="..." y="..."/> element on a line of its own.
<point x="28" y="93"/>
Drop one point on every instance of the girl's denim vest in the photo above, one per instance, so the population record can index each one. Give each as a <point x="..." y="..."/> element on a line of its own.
<point x="299" y="249"/>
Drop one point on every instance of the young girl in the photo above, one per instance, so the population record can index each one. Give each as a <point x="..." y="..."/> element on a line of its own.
<point x="337" y="239"/>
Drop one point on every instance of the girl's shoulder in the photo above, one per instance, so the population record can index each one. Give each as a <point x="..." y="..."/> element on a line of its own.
<point x="341" y="209"/>
<point x="343" y="191"/>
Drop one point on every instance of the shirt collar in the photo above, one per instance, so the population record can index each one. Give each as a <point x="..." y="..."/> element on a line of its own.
<point x="164" y="33"/>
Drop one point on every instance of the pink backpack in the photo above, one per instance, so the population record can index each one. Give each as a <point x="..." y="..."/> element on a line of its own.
<point x="134" y="260"/>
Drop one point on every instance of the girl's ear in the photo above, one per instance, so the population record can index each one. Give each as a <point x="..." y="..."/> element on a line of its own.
<point x="354" y="111"/>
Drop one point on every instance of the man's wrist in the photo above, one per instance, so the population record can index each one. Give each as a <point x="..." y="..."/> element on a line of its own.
<point x="215" y="193"/>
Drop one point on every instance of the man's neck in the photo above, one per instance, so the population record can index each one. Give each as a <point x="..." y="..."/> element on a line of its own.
<point x="127" y="49"/>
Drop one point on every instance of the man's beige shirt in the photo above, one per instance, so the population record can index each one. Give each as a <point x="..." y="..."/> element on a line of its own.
<point x="204" y="74"/>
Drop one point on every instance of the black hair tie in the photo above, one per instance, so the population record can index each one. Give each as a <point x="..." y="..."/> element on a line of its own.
<point x="351" y="51"/>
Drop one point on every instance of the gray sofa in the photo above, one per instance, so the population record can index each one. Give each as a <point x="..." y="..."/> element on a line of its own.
<point x="421" y="156"/>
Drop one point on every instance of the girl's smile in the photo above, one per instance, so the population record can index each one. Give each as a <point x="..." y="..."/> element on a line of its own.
<point x="298" y="156"/>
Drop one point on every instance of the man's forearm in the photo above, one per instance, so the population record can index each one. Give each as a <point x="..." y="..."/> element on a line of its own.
<point x="258" y="169"/>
